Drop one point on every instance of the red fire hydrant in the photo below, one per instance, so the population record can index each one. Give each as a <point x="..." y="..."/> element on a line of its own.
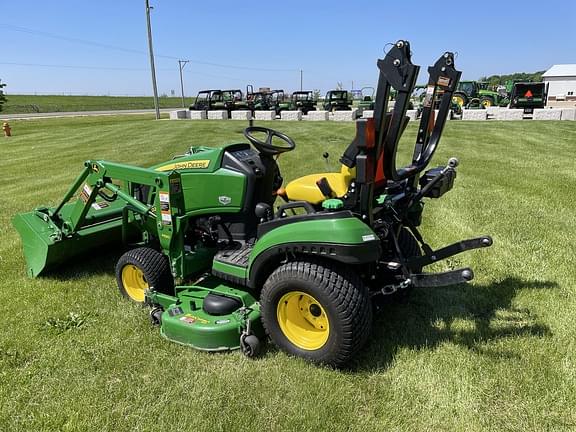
<point x="7" y="130"/>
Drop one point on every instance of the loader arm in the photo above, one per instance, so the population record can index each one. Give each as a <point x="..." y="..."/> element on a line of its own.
<point x="108" y="202"/>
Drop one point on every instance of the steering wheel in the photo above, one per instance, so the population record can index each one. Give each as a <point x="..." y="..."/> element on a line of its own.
<point x="266" y="146"/>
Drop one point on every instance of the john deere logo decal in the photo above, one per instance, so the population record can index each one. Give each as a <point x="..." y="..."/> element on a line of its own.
<point x="224" y="200"/>
<point x="194" y="164"/>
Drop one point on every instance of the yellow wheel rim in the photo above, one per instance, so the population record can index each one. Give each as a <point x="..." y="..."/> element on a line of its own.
<point x="303" y="320"/>
<point x="486" y="103"/>
<point x="458" y="100"/>
<point x="134" y="282"/>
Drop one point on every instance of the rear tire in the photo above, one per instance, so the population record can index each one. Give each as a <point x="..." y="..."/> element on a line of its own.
<point x="140" y="269"/>
<point x="316" y="310"/>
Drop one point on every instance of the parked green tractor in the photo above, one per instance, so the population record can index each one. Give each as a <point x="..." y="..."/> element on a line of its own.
<point x="221" y="268"/>
<point x="337" y="100"/>
<point x="473" y="94"/>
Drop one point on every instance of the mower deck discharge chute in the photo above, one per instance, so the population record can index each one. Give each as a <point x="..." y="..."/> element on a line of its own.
<point x="221" y="268"/>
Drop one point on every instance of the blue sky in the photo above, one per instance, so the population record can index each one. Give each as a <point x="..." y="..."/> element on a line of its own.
<point x="101" y="47"/>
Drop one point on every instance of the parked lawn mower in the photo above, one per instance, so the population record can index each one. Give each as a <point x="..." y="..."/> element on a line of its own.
<point x="337" y="100"/>
<point x="221" y="268"/>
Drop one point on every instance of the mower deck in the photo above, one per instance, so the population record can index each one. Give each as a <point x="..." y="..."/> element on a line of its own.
<point x="208" y="316"/>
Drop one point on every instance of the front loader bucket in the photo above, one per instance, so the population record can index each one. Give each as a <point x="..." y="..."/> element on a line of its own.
<point x="45" y="247"/>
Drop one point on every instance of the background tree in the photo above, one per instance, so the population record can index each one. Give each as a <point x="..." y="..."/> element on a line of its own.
<point x="494" y="80"/>
<point x="2" y="97"/>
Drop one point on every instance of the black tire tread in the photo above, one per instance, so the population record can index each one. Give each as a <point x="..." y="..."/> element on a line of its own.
<point x="346" y="291"/>
<point x="154" y="265"/>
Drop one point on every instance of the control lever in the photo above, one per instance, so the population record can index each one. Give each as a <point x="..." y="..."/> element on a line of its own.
<point x="263" y="212"/>
<point x="452" y="164"/>
<point x="326" y="155"/>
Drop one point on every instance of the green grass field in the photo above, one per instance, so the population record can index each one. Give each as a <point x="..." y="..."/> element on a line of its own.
<point x="498" y="354"/>
<point x="19" y="104"/>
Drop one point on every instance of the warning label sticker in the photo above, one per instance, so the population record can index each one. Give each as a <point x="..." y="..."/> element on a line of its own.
<point x="192" y="319"/>
<point x="429" y="95"/>
<point x="164" y="198"/>
<point x="99" y="205"/>
<point x="85" y="193"/>
<point x="443" y="81"/>
<point x="166" y="218"/>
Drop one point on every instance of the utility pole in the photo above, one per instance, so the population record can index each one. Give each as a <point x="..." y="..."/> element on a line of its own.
<point x="152" y="68"/>
<point x="181" y="65"/>
<point x="301" y="73"/>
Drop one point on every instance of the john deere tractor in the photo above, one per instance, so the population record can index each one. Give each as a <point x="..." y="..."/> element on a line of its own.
<point x="471" y="94"/>
<point x="225" y="256"/>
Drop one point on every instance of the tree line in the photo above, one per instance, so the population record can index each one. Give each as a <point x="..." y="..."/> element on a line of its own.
<point x="519" y="76"/>
<point x="2" y="97"/>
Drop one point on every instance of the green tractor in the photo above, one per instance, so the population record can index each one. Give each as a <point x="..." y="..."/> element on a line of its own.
<point x="222" y="269"/>
<point x="472" y="94"/>
<point x="337" y="100"/>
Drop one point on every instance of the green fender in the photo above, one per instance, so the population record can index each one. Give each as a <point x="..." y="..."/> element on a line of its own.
<point x="344" y="239"/>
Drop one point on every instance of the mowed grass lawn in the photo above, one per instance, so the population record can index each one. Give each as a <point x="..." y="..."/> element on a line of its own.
<point x="498" y="354"/>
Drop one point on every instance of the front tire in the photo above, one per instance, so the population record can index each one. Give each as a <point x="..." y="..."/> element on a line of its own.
<point x="460" y="99"/>
<point x="486" y="101"/>
<point x="316" y="310"/>
<point x="140" y="269"/>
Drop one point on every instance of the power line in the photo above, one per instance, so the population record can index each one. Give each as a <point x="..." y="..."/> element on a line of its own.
<point x="74" y="66"/>
<point x="60" y="66"/>
<point x="134" y="51"/>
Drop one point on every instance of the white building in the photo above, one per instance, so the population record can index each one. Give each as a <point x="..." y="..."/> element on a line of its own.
<point x="561" y="80"/>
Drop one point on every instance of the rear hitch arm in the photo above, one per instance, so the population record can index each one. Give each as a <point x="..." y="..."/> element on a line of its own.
<point x="454" y="277"/>
<point x="448" y="251"/>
